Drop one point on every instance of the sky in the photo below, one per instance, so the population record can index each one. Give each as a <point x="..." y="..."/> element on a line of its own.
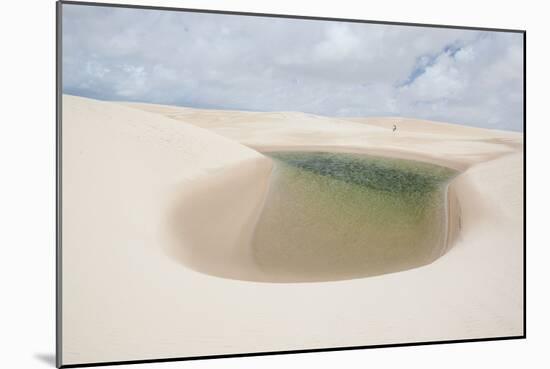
<point x="221" y="61"/>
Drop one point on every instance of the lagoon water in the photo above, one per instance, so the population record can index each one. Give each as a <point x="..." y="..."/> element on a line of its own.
<point x="334" y="216"/>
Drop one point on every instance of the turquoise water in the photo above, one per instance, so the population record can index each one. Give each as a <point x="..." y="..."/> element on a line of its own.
<point x="332" y="216"/>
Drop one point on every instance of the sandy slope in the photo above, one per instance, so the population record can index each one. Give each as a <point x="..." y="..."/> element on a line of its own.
<point x="139" y="190"/>
<point x="127" y="175"/>
<point x="447" y="144"/>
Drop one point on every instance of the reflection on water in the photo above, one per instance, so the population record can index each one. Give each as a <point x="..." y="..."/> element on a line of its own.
<point x="331" y="216"/>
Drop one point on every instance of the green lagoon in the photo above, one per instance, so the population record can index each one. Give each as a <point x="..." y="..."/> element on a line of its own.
<point x="334" y="216"/>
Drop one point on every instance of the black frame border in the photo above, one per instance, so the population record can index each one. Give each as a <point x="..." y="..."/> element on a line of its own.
<point x="59" y="166"/>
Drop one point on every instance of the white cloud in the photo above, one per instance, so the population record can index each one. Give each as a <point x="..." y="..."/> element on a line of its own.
<point x="340" y="43"/>
<point x="259" y="63"/>
<point x="442" y="80"/>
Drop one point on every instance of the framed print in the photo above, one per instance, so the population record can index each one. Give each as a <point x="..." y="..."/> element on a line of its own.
<point x="238" y="184"/>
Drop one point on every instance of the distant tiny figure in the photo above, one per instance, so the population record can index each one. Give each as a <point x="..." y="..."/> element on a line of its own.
<point x="394" y="128"/>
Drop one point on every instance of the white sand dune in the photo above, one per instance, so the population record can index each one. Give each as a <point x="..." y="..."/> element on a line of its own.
<point x="153" y="193"/>
<point x="440" y="143"/>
